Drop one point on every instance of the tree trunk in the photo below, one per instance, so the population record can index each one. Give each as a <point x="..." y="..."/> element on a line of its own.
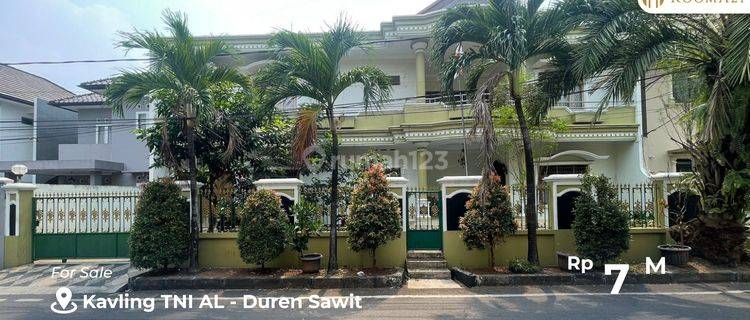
<point x="492" y="256"/>
<point x="530" y="212"/>
<point x="211" y="206"/>
<point x="194" y="217"/>
<point x="332" y="244"/>
<point x="374" y="264"/>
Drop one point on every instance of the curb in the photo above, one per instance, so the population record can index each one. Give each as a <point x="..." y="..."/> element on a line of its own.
<point x="141" y="282"/>
<point x="474" y="280"/>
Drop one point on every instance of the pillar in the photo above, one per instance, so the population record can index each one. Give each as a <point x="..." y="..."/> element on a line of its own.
<point x="449" y="185"/>
<point x="419" y="53"/>
<point x="287" y="188"/>
<point x="397" y="186"/>
<point x="19" y="215"/>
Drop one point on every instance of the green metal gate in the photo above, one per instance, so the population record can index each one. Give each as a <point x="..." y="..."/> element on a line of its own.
<point x="69" y="225"/>
<point x="424" y="227"/>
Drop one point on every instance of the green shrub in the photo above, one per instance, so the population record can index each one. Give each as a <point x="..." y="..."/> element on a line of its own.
<point x="263" y="228"/>
<point x="488" y="220"/>
<point x="307" y="223"/>
<point x="522" y="266"/>
<point x="601" y="225"/>
<point x="159" y="236"/>
<point x="374" y="217"/>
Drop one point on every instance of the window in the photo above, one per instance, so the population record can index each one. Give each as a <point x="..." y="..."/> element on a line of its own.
<point x="545" y="171"/>
<point x="395" y="80"/>
<point x="102" y="134"/>
<point x="684" y="165"/>
<point x="140" y="120"/>
<point x="27" y="121"/>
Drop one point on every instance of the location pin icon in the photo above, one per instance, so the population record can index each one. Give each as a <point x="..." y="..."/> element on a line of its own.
<point x="63" y="297"/>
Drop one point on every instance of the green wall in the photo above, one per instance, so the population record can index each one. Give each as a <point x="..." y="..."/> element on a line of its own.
<point x="643" y="244"/>
<point x="219" y="250"/>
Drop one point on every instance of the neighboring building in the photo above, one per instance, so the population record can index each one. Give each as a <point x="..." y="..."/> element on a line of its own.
<point x="106" y="152"/>
<point x="23" y="103"/>
<point x="64" y="138"/>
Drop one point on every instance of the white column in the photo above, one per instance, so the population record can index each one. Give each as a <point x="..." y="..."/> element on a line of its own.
<point x="419" y="53"/>
<point x="400" y="183"/>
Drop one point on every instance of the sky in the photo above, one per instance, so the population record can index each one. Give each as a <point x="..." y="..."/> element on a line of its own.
<point x="53" y="30"/>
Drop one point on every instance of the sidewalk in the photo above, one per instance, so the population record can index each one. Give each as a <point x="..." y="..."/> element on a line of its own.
<point x="37" y="278"/>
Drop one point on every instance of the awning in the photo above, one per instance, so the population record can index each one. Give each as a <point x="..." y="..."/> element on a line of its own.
<point x="67" y="167"/>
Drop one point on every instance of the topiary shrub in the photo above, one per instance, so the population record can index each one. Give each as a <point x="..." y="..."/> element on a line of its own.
<point x="264" y="227"/>
<point x="374" y="215"/>
<point x="601" y="225"/>
<point x="159" y="236"/>
<point x="522" y="266"/>
<point x="488" y="220"/>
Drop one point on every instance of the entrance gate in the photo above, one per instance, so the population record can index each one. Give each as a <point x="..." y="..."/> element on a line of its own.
<point x="424" y="227"/>
<point x="70" y="225"/>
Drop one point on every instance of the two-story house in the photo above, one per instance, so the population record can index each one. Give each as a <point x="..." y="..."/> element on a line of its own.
<point x="24" y="104"/>
<point x="107" y="149"/>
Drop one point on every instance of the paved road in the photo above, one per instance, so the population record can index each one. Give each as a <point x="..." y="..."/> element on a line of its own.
<point x="716" y="301"/>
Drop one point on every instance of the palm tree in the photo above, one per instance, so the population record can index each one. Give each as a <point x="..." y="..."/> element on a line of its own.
<point x="621" y="43"/>
<point x="178" y="79"/>
<point x="505" y="37"/>
<point x="309" y="68"/>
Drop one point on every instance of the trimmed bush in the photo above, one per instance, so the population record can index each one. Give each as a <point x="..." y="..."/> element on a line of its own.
<point x="489" y="219"/>
<point x="159" y="237"/>
<point x="264" y="227"/>
<point x="601" y="225"/>
<point x="522" y="266"/>
<point x="374" y="218"/>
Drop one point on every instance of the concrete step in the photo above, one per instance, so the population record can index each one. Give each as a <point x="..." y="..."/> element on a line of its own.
<point x="429" y="274"/>
<point x="425" y="254"/>
<point x="426" y="264"/>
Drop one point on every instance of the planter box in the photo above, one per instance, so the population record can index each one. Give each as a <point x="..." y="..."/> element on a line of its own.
<point x="562" y="260"/>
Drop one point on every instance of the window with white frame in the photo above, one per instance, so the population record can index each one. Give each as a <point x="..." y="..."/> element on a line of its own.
<point x="103" y="132"/>
<point x="140" y="119"/>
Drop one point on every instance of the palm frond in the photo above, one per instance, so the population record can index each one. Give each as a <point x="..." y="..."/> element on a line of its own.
<point x="306" y="132"/>
<point x="376" y="85"/>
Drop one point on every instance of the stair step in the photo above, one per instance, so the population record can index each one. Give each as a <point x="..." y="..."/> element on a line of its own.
<point x="426" y="264"/>
<point x="424" y="254"/>
<point x="430" y="274"/>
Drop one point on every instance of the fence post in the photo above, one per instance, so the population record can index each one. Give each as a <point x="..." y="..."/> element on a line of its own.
<point x="18" y="224"/>
<point x="452" y="185"/>
<point x="557" y="184"/>
<point x="397" y="186"/>
<point x="661" y="182"/>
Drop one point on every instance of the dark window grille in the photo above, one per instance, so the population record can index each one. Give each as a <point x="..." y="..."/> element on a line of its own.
<point x="395" y="80"/>
<point x="684" y="165"/>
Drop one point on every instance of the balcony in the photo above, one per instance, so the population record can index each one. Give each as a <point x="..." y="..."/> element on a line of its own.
<point x="85" y="152"/>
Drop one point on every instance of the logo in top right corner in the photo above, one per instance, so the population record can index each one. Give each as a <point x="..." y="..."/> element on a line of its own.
<point x="695" y="6"/>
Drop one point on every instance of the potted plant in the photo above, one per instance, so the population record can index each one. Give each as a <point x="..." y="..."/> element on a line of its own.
<point x="678" y="254"/>
<point x="307" y="223"/>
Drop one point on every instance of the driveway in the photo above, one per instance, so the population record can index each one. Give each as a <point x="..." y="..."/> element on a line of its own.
<point x="45" y="277"/>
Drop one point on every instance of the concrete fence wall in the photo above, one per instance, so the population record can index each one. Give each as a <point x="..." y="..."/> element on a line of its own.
<point x="220" y="250"/>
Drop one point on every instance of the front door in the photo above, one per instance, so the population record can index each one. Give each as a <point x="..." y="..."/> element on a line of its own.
<point x="424" y="220"/>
